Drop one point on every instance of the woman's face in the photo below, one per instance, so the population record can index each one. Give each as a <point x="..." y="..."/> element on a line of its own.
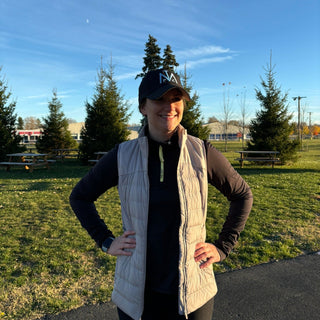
<point x="164" y="114"/>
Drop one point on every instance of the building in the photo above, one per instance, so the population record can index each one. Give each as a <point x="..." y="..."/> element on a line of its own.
<point x="29" y="136"/>
<point x="218" y="132"/>
<point x="75" y="130"/>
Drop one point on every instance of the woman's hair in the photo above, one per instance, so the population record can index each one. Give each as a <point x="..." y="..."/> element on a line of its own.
<point x="142" y="103"/>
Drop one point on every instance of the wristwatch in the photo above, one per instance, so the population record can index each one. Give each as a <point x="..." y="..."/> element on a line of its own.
<point x="106" y="244"/>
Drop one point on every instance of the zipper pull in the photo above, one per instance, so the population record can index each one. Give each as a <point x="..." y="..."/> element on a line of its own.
<point x="161" y="163"/>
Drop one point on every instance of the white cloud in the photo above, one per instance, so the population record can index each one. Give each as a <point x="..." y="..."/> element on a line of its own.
<point x="202" y="51"/>
<point x="125" y="76"/>
<point x="40" y="96"/>
<point x="196" y="63"/>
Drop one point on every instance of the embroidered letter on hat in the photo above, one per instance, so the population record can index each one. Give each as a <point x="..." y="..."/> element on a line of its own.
<point x="167" y="77"/>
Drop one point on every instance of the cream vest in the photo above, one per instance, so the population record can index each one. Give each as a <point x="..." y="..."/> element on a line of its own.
<point x="196" y="286"/>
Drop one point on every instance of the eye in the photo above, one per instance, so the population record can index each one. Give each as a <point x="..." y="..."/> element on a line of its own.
<point x="176" y="99"/>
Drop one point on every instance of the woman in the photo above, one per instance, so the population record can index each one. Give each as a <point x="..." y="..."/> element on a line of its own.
<point x="164" y="265"/>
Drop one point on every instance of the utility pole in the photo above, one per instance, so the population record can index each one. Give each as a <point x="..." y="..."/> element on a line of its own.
<point x="310" y="119"/>
<point x="299" y="118"/>
<point x="310" y="129"/>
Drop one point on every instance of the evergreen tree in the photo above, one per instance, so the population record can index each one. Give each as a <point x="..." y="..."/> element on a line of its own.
<point x="192" y="118"/>
<point x="55" y="129"/>
<point x="20" y="124"/>
<point x="169" y="60"/>
<point x="270" y="130"/>
<point x="152" y="59"/>
<point x="9" y="139"/>
<point x="107" y="117"/>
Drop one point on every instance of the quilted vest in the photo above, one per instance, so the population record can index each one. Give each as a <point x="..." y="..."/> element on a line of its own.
<point x="196" y="286"/>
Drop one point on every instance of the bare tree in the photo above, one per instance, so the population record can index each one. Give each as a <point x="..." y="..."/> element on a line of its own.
<point x="227" y="112"/>
<point x="31" y="123"/>
<point x="243" y="111"/>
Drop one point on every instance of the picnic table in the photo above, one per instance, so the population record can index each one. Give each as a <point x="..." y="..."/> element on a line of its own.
<point x="99" y="154"/>
<point x="26" y="160"/>
<point x="65" y="153"/>
<point x="256" y="156"/>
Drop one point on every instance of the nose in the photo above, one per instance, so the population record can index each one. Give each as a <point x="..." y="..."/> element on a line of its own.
<point x="169" y="104"/>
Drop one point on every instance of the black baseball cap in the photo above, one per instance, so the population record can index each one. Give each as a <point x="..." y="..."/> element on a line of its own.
<point x="156" y="83"/>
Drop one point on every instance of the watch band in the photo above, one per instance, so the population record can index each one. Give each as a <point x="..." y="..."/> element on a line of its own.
<point x="106" y="244"/>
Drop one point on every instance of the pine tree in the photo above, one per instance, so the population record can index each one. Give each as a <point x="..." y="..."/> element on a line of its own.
<point x="55" y="129"/>
<point x="270" y="130"/>
<point x="9" y="139"/>
<point x="169" y="60"/>
<point x="20" y="125"/>
<point x="107" y="117"/>
<point x="152" y="59"/>
<point x="192" y="118"/>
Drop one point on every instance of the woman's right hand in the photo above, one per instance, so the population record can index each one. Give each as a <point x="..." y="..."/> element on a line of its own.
<point x="120" y="244"/>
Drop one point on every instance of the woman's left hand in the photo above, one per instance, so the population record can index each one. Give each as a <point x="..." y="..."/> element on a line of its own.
<point x="207" y="253"/>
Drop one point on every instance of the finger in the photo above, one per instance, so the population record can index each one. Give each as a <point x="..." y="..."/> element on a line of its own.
<point x="207" y="263"/>
<point x="200" y="245"/>
<point x="129" y="240"/>
<point x="202" y="250"/>
<point x="124" y="253"/>
<point x="199" y="252"/>
<point x="202" y="256"/>
<point x="129" y="233"/>
<point x="128" y="245"/>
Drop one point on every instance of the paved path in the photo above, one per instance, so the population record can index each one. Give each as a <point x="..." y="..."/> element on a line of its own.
<point x="284" y="290"/>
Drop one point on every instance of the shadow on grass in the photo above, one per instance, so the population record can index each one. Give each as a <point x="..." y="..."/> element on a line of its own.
<point x="70" y="168"/>
<point x="277" y="171"/>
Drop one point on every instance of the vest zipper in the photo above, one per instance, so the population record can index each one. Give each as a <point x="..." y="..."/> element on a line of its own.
<point x="161" y="163"/>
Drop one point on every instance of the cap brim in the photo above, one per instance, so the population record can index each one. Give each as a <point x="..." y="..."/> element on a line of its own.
<point x="163" y="90"/>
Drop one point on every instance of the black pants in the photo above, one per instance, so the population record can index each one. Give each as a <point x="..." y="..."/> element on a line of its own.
<point x="159" y="306"/>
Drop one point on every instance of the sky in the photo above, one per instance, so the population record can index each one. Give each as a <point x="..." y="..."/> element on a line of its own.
<point x="58" y="45"/>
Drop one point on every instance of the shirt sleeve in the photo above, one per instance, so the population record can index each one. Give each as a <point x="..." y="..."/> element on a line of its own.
<point x="227" y="180"/>
<point x="103" y="176"/>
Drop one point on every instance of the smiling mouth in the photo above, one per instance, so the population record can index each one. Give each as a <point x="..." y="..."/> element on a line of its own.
<point x="168" y="116"/>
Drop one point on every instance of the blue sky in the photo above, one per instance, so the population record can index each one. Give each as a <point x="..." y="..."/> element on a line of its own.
<point x="58" y="44"/>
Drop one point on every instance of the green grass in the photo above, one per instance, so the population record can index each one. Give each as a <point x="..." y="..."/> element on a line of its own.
<point x="49" y="264"/>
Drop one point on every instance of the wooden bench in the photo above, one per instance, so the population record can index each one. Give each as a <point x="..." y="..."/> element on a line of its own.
<point x="65" y="153"/>
<point x="270" y="157"/>
<point x="48" y="160"/>
<point x="99" y="154"/>
<point x="27" y="165"/>
<point x="26" y="160"/>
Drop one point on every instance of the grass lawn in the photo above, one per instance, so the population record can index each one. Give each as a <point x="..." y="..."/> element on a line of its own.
<point x="49" y="264"/>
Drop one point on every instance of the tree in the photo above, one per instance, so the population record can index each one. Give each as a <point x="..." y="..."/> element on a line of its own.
<point x="55" y="129"/>
<point x="243" y="121"/>
<point x="212" y="119"/>
<point x="227" y="112"/>
<point x="9" y="139"/>
<point x="70" y="120"/>
<point x="271" y="128"/>
<point x="315" y="130"/>
<point x="20" y="124"/>
<point x="169" y="60"/>
<point x="107" y="116"/>
<point x="152" y="59"/>
<point x="192" y="119"/>
<point x="32" y="123"/>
